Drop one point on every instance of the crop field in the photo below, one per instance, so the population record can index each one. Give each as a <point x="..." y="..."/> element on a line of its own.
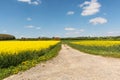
<point x="13" y="53"/>
<point x="104" y="48"/>
<point x="97" y="43"/>
<point x="18" y="56"/>
<point x="15" y="47"/>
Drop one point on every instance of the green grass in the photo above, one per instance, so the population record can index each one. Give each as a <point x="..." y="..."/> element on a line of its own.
<point x="112" y="51"/>
<point x="7" y="60"/>
<point x="29" y="62"/>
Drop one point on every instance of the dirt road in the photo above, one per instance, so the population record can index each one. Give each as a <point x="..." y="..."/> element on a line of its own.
<point x="71" y="64"/>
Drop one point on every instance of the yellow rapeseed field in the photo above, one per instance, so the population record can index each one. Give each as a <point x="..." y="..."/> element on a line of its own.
<point x="11" y="47"/>
<point x="97" y="43"/>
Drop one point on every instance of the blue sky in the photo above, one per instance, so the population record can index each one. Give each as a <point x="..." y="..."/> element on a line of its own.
<point x="64" y="18"/>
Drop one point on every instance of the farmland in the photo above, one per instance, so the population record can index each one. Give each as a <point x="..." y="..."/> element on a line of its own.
<point x="15" y="47"/>
<point x="16" y="56"/>
<point x="104" y="48"/>
<point x="21" y="55"/>
<point x="72" y="64"/>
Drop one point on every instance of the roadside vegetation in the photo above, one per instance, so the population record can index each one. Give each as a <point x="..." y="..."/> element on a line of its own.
<point x="12" y="63"/>
<point x="104" y="48"/>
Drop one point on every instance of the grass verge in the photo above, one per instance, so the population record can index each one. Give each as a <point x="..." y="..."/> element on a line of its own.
<point x="25" y="65"/>
<point x="112" y="51"/>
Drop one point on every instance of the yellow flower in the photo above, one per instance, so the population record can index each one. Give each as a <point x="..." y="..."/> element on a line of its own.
<point x="15" y="71"/>
<point x="15" y="47"/>
<point x="97" y="43"/>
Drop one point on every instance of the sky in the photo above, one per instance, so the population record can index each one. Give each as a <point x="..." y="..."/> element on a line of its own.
<point x="61" y="18"/>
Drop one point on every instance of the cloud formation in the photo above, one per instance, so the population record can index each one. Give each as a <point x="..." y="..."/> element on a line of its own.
<point x="30" y="26"/>
<point x="113" y="33"/>
<point x="73" y="31"/>
<point x="90" y="7"/>
<point x="36" y="2"/>
<point x="69" y="29"/>
<point x="70" y="12"/>
<point x="98" y="20"/>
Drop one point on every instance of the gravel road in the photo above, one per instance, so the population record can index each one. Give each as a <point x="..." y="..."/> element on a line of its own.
<point x="71" y="64"/>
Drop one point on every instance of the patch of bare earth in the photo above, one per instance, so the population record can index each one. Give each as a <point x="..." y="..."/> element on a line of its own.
<point x="71" y="64"/>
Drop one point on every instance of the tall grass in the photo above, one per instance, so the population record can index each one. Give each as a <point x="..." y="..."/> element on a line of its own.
<point x="7" y="60"/>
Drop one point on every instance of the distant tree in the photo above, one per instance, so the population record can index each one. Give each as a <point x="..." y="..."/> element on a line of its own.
<point x="56" y="38"/>
<point x="6" y="37"/>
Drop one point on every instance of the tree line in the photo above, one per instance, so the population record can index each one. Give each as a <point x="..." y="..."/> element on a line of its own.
<point x="93" y="38"/>
<point x="7" y="37"/>
<point x="12" y="37"/>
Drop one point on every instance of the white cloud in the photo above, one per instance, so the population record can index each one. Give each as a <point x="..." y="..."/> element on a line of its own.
<point x="113" y="33"/>
<point x="29" y="19"/>
<point x="30" y="26"/>
<point x="38" y="28"/>
<point x="36" y="2"/>
<point x="25" y="0"/>
<point x="22" y="36"/>
<point x="78" y="31"/>
<point x="98" y="20"/>
<point x="73" y="31"/>
<point x="70" y="12"/>
<point x="69" y="29"/>
<point x="90" y="7"/>
<point x="81" y="30"/>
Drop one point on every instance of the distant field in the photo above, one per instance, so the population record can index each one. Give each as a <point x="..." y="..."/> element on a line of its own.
<point x="104" y="48"/>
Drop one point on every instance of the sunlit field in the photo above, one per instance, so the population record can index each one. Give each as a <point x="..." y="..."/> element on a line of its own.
<point x="104" y="48"/>
<point x="97" y="43"/>
<point x="14" y="52"/>
<point x="18" y="56"/>
<point x="15" y="47"/>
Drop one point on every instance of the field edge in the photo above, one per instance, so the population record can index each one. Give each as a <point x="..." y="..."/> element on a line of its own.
<point x="6" y="72"/>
